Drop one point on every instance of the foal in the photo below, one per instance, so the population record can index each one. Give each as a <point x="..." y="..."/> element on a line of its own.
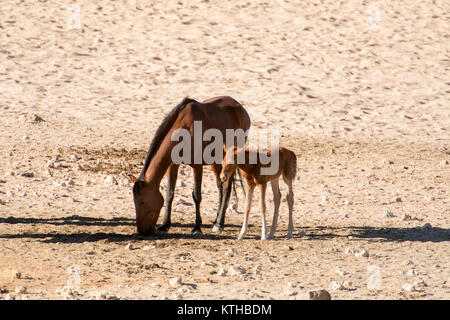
<point x="253" y="177"/>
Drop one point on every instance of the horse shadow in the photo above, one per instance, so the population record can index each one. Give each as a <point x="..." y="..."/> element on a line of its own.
<point x="311" y="233"/>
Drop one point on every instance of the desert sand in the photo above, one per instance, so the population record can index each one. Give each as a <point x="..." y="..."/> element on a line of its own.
<point x="358" y="89"/>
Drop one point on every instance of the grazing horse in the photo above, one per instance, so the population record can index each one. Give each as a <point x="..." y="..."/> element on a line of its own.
<point x="220" y="113"/>
<point x="253" y="177"/>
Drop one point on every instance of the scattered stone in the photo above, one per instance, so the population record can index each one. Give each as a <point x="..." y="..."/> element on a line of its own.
<point x="444" y="163"/>
<point x="124" y="182"/>
<point x="408" y="287"/>
<point x="222" y="272"/>
<point x="348" y="202"/>
<point x="236" y="270"/>
<point x="362" y="253"/>
<point x="27" y="174"/>
<point x="387" y="214"/>
<point x="9" y="174"/>
<point x="77" y="167"/>
<point x="386" y="161"/>
<point x="339" y="271"/>
<point x="231" y="252"/>
<point x="349" y="250"/>
<point x="20" y="289"/>
<point x="16" y="274"/>
<point x="75" y="157"/>
<point x="292" y="284"/>
<point x="337" y="285"/>
<point x="30" y="117"/>
<point x="324" y="198"/>
<point x="411" y="272"/>
<point x="25" y="137"/>
<point x="257" y="269"/>
<point x="175" y="282"/>
<point x="2" y="202"/>
<point x="407" y="263"/>
<point x="288" y="248"/>
<point x="111" y="180"/>
<point x="396" y="199"/>
<point x="181" y="183"/>
<point x="129" y="246"/>
<point x="319" y="295"/>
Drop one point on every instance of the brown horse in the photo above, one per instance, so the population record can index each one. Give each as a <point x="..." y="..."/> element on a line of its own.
<point x="287" y="167"/>
<point x="220" y="113"/>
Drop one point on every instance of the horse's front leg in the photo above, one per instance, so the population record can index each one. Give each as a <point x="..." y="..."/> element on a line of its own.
<point x="226" y="191"/>
<point x="172" y="174"/>
<point x="197" y="196"/>
<point x="217" y="168"/>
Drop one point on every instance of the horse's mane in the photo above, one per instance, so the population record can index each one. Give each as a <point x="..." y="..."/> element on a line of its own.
<point x="161" y="132"/>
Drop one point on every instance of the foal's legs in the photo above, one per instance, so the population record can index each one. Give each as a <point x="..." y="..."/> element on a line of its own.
<point x="250" y="187"/>
<point x="262" y="204"/>
<point x="172" y="174"/>
<point x="276" y="204"/>
<point x="290" y="201"/>
<point x="197" y="196"/>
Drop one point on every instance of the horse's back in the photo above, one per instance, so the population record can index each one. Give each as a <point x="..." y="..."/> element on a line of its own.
<point x="222" y="111"/>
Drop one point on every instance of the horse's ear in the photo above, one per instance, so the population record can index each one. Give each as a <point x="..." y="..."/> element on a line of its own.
<point x="132" y="178"/>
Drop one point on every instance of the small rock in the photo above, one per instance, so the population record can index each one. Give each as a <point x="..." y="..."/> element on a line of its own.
<point x="222" y="272"/>
<point x="387" y="214"/>
<point x="408" y="287"/>
<point x="324" y="198"/>
<point x="396" y="199"/>
<point x="407" y="263"/>
<point x="236" y="270"/>
<point x="129" y="246"/>
<point x="411" y="272"/>
<point x="386" y="161"/>
<point x="231" y="252"/>
<point x="444" y="163"/>
<point x="257" y="269"/>
<point x="111" y="180"/>
<point x="25" y="137"/>
<point x="77" y="167"/>
<point x="75" y="157"/>
<point x="339" y="271"/>
<point x="20" y="289"/>
<point x="27" y="174"/>
<point x="180" y="183"/>
<point x="291" y="284"/>
<point x="349" y="250"/>
<point x="319" y="295"/>
<point x="348" y="202"/>
<point x="16" y="274"/>
<point x="175" y="282"/>
<point x="288" y="248"/>
<point x="336" y="285"/>
<point x="362" y="253"/>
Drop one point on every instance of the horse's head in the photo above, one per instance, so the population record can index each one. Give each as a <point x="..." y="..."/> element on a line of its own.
<point x="148" y="203"/>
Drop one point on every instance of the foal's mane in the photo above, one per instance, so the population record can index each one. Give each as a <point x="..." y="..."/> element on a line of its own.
<point x="161" y="132"/>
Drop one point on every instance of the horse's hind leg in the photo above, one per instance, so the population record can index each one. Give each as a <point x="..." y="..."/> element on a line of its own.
<point x="171" y="179"/>
<point x="197" y="196"/>
<point x="276" y="206"/>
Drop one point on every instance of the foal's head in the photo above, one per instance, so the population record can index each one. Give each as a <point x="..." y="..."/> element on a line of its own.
<point x="229" y="164"/>
<point x="148" y="203"/>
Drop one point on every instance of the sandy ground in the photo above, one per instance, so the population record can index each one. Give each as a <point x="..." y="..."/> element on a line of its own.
<point x="358" y="89"/>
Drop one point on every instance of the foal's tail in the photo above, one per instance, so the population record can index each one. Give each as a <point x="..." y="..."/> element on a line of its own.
<point x="290" y="170"/>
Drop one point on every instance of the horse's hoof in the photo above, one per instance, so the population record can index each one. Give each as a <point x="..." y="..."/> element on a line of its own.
<point x="270" y="237"/>
<point x="217" y="229"/>
<point x="264" y="238"/>
<point x="197" y="232"/>
<point x="289" y="236"/>
<point x="163" y="229"/>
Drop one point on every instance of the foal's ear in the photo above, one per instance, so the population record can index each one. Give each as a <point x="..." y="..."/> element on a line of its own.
<point x="132" y="178"/>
